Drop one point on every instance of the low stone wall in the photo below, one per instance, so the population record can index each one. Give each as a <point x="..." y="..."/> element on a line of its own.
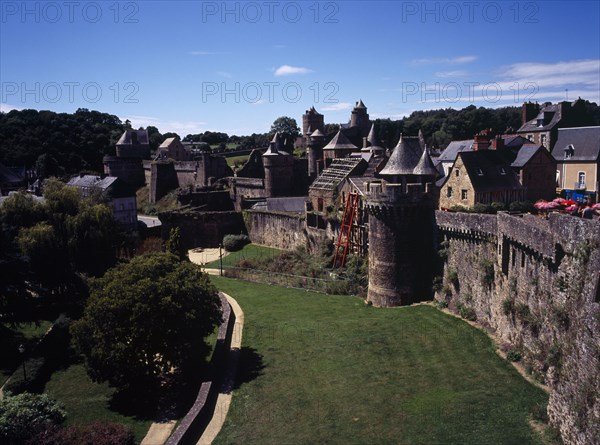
<point x="199" y="415"/>
<point x="536" y="283"/>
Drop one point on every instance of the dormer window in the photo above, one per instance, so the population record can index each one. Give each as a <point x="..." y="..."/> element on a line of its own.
<point x="569" y="151"/>
<point x="456" y="172"/>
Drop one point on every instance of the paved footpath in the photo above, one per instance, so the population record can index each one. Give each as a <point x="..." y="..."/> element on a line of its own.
<point x="224" y="397"/>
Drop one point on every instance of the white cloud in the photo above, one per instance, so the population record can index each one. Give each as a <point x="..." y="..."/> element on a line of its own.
<point x="286" y="70"/>
<point x="445" y="60"/>
<point x="5" y="108"/>
<point x="445" y="74"/>
<point x="338" y="107"/>
<point x="182" y="128"/>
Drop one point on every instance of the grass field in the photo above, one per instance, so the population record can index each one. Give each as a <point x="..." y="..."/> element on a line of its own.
<point x="249" y="251"/>
<point x="318" y="369"/>
<point x="233" y="160"/>
<point x="87" y="402"/>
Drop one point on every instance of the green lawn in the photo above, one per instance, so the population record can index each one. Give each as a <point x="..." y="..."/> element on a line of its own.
<point x="233" y="160"/>
<point x="10" y="338"/>
<point x="86" y="401"/>
<point x="328" y="369"/>
<point x="249" y="252"/>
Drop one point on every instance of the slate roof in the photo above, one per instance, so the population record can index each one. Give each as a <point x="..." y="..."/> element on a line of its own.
<point x="549" y="116"/>
<point x="89" y="181"/>
<point x="525" y="154"/>
<point x="127" y="137"/>
<point x="488" y="171"/>
<point x="585" y="142"/>
<point x="340" y="142"/>
<point x="317" y="133"/>
<point x="7" y="176"/>
<point x="513" y="141"/>
<point x="425" y="166"/>
<point x="404" y="158"/>
<point x="167" y="142"/>
<point x="360" y="104"/>
<point x="455" y="147"/>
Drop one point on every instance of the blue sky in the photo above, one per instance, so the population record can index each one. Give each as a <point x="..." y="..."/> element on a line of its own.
<point x="235" y="67"/>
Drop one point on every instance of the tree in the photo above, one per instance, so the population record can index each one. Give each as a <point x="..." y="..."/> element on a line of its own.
<point x="24" y="415"/>
<point x="146" y="317"/>
<point x="287" y="129"/>
<point x="174" y="245"/>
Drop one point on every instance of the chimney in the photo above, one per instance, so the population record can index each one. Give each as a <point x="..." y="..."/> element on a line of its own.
<point x="529" y="110"/>
<point x="497" y="143"/>
<point x="481" y="140"/>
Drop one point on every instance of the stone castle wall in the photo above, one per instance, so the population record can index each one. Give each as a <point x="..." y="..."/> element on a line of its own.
<point x="536" y="283"/>
<point x="280" y="230"/>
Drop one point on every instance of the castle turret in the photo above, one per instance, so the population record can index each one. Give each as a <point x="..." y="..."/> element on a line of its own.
<point x="401" y="223"/>
<point x="372" y="143"/>
<point x="360" y="118"/>
<point x="313" y="120"/>
<point x="279" y="169"/>
<point x="316" y="141"/>
<point x="133" y="146"/>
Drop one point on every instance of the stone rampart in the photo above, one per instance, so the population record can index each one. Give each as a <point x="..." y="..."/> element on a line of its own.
<point x="536" y="283"/>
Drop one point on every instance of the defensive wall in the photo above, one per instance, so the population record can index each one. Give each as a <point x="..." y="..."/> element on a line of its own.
<point x="536" y="283"/>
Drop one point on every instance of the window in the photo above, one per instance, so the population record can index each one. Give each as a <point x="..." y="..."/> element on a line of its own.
<point x="569" y="151"/>
<point x="543" y="140"/>
<point x="530" y="137"/>
<point x="457" y="172"/>
<point x="449" y="192"/>
<point x="463" y="194"/>
<point x="320" y="204"/>
<point x="580" y="180"/>
<point x="479" y="171"/>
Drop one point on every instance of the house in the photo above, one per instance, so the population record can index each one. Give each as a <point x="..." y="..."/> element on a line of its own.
<point x="533" y="164"/>
<point x="540" y="123"/>
<point x="172" y="148"/>
<point x="577" y="152"/>
<point x="10" y="180"/>
<point x="482" y="176"/>
<point x="120" y="197"/>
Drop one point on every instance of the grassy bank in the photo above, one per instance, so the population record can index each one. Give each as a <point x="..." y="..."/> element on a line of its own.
<point x="329" y="369"/>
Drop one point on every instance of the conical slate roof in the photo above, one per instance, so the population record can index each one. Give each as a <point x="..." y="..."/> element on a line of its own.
<point x="402" y="161"/>
<point x="360" y="104"/>
<point x="317" y="134"/>
<point x="273" y="150"/>
<point x="373" y="141"/>
<point x="340" y="142"/>
<point x="425" y="166"/>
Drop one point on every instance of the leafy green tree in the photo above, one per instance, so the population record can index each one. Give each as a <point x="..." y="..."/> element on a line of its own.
<point x="146" y="317"/>
<point x="24" y="415"/>
<point x="174" y="245"/>
<point x="287" y="129"/>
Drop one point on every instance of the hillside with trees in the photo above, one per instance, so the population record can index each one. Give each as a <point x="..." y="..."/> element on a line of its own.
<point x="59" y="144"/>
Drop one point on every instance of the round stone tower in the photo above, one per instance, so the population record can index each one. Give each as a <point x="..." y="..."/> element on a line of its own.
<point x="316" y="141"/>
<point x="401" y="228"/>
<point x="279" y="169"/>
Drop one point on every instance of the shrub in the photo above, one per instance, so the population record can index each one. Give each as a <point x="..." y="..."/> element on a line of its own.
<point x="522" y="206"/>
<point x="437" y="284"/>
<point x="539" y="412"/>
<point x="508" y="306"/>
<point x="466" y="312"/>
<point x="513" y="355"/>
<point x="26" y="414"/>
<point x="487" y="269"/>
<point x="453" y="277"/>
<point x="233" y="243"/>
<point x="442" y="304"/>
<point x="98" y="433"/>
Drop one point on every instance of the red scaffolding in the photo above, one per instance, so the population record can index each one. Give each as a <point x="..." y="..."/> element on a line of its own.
<point x="346" y="236"/>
